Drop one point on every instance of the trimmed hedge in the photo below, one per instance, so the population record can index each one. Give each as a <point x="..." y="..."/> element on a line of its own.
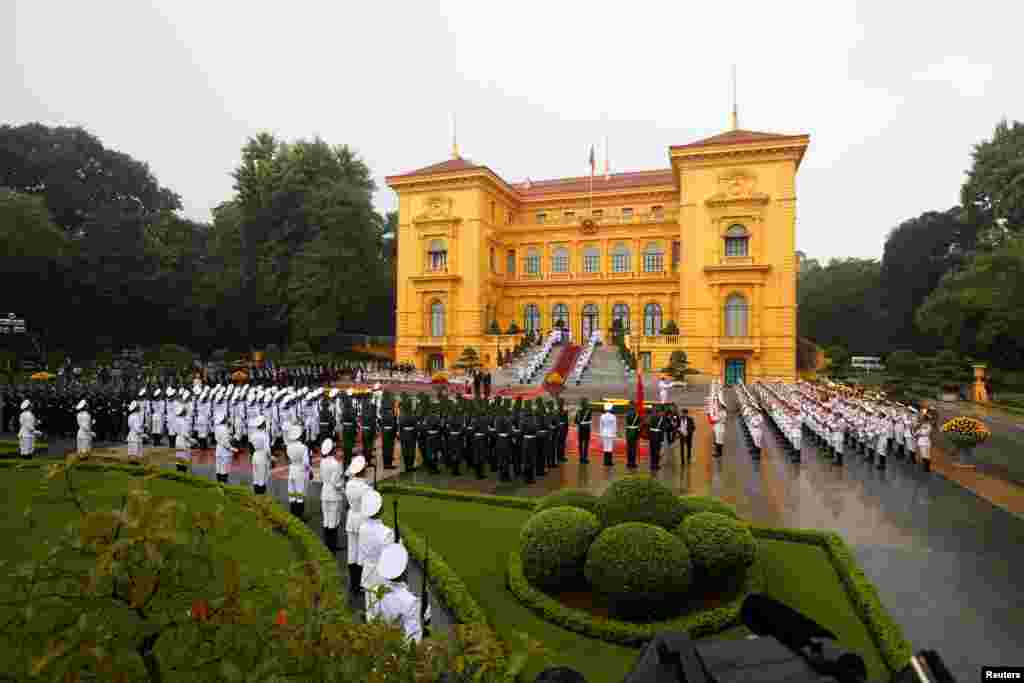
<point x="313" y="548"/>
<point x="554" y="545"/>
<point x="693" y="505"/>
<point x="577" y="498"/>
<point x="641" y="568"/>
<point x="697" y="624"/>
<point x="887" y="634"/>
<point x="719" y="546"/>
<point x="444" y="494"/>
<point x="640" y="499"/>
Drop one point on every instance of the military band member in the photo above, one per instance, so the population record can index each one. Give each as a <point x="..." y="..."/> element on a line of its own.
<point x="583" y="419"/>
<point x="331" y="493"/>
<point x="27" y="431"/>
<point x="183" y="441"/>
<point x="85" y="433"/>
<point x="374" y="536"/>
<point x="398" y="605"/>
<point x="355" y="489"/>
<point x="135" y="433"/>
<point x="225" y="451"/>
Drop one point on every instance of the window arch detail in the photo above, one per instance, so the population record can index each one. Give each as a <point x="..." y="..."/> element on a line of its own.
<point x="652" y="319"/>
<point x="531" y="263"/>
<point x="737" y="241"/>
<point x="531" y="317"/>
<point x="560" y="312"/>
<point x="560" y="260"/>
<point x="591" y="260"/>
<point x="736" y="316"/>
<point x="621" y="312"/>
<point x="437" y="255"/>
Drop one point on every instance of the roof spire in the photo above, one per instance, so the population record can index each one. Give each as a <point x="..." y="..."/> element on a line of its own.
<point x="735" y="120"/>
<point x="455" y="141"/>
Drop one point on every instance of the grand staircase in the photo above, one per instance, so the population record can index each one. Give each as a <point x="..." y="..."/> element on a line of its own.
<point x="605" y="367"/>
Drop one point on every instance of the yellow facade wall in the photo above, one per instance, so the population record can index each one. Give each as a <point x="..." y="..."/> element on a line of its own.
<point x="480" y="220"/>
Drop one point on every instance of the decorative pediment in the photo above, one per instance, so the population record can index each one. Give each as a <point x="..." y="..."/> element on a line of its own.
<point x="435" y="208"/>
<point x="737" y="187"/>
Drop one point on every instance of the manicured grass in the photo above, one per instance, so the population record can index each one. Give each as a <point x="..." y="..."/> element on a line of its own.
<point x="475" y="538"/>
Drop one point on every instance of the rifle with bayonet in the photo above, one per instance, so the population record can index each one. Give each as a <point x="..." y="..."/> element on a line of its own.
<point x="424" y="598"/>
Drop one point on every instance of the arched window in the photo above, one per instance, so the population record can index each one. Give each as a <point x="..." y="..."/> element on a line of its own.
<point x="591" y="320"/>
<point x="736" y="316"/>
<point x="531" y="317"/>
<point x="437" y="255"/>
<point x="591" y="260"/>
<point x="560" y="260"/>
<point x="437" y="319"/>
<point x="736" y="241"/>
<point x="532" y="264"/>
<point x="620" y="258"/>
<point x="652" y="319"/>
<point x="620" y="312"/>
<point x="560" y="314"/>
<point x="654" y="258"/>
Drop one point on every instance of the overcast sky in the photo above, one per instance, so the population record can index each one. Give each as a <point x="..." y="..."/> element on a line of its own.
<point x="893" y="94"/>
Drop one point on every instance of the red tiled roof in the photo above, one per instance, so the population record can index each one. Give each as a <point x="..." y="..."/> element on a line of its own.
<point x="737" y="137"/>
<point x="443" y="167"/>
<point x="616" y="181"/>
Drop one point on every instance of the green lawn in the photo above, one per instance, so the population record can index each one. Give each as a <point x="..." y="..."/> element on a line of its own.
<point x="10" y="447"/>
<point x="256" y="549"/>
<point x="474" y="540"/>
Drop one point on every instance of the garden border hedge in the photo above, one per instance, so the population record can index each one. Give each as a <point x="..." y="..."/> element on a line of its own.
<point x="884" y="631"/>
<point x="705" y="622"/>
<point x="312" y="547"/>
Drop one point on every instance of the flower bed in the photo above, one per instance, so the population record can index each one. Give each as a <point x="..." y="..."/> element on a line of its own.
<point x="966" y="431"/>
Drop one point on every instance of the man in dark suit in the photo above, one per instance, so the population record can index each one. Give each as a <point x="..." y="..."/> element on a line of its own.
<point x="686" y="429"/>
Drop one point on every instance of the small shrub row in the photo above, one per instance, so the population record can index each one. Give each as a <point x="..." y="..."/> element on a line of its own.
<point x="443" y="494"/>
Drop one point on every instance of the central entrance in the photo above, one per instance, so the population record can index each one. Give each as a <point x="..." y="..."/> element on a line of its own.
<point x="590" y="322"/>
<point x="735" y="371"/>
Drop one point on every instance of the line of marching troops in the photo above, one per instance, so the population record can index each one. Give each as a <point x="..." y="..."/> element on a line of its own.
<point x="836" y="419"/>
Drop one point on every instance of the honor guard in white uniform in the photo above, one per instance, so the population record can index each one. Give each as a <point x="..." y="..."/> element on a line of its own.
<point x="398" y="605"/>
<point x="260" y="455"/>
<point x="135" y="433"/>
<point x="203" y="417"/>
<point x="298" y="470"/>
<point x="158" y="416"/>
<point x="225" y="451"/>
<point x="355" y="489"/>
<point x="923" y="435"/>
<point x="171" y="419"/>
<point x="663" y="386"/>
<point x="374" y="536"/>
<point x="609" y="428"/>
<point x="85" y="434"/>
<point x="331" y="494"/>
<point x="27" y="431"/>
<point x="183" y="441"/>
<point x="718" y="427"/>
<point x="145" y="412"/>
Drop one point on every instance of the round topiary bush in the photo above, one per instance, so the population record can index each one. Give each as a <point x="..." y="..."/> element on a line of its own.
<point x="554" y="545"/>
<point x="693" y="505"/>
<point x="640" y="499"/>
<point x="721" y="547"/>
<point x="577" y="498"/>
<point x="641" y="569"/>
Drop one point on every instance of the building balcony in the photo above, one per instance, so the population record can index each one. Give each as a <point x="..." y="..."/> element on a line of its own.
<point x="737" y="344"/>
<point x="430" y="340"/>
<point x="550" y="277"/>
<point x="663" y="216"/>
<point x="658" y="340"/>
<point x="439" y="274"/>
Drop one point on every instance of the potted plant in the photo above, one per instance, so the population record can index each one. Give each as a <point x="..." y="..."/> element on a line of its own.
<point x="554" y="384"/>
<point x="966" y="433"/>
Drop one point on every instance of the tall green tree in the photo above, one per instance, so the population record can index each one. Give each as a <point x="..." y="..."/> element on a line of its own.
<point x="993" y="195"/>
<point x="841" y="303"/>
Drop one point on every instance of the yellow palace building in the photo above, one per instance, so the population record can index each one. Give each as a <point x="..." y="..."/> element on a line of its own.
<point x="708" y="243"/>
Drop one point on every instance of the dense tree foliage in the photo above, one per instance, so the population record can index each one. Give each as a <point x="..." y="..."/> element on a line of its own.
<point x="840" y="303"/>
<point x="298" y="253"/>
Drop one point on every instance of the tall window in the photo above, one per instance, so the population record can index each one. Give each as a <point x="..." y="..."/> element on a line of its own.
<point x="646" y="361"/>
<point x="436" y="362"/>
<point x="627" y="214"/>
<point x="510" y="262"/>
<point x="560" y="312"/>
<point x="560" y="260"/>
<point x="591" y="260"/>
<point x="532" y="265"/>
<point x="531" y="316"/>
<point x="437" y="319"/>
<point x="620" y="258"/>
<point x="620" y="312"/>
<point x="652" y="319"/>
<point x="437" y="255"/>
<point x="677" y="254"/>
<point x="658" y="212"/>
<point x="654" y="258"/>
<point x="736" y="316"/>
<point x="736" y="239"/>
<point x="542" y="217"/>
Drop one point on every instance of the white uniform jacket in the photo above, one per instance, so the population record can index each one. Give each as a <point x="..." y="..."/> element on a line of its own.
<point x="399" y="606"/>
<point x="374" y="535"/>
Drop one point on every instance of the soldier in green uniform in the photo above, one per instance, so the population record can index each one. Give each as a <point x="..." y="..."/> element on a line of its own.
<point x="492" y="432"/>
<point x="370" y="426"/>
<point x="529" y="444"/>
<point x="515" y="421"/>
<point x="389" y="429"/>
<point x="432" y="428"/>
<point x="583" y="420"/>
<point x="348" y="430"/>
<point x="543" y="430"/>
<point x="479" y="439"/>
<point x="554" y="435"/>
<point x="503" y="427"/>
<point x="422" y="410"/>
<point x="563" y="431"/>
<point x="407" y="437"/>
<point x="633" y="428"/>
<point x="453" y="440"/>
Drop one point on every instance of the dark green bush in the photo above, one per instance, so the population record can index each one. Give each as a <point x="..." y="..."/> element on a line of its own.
<point x="692" y="505"/>
<point x="640" y="499"/>
<point x="643" y="570"/>
<point x="554" y="545"/>
<point x="720" y="547"/>
<point x="577" y="498"/>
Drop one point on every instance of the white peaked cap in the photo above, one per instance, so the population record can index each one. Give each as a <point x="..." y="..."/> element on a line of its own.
<point x="80" y="406"/>
<point x="372" y="503"/>
<point x="294" y="433"/>
<point x="219" y="420"/>
<point x="170" y="391"/>
<point x="180" y="410"/>
<point x="393" y="561"/>
<point x="357" y="466"/>
<point x="25" y="404"/>
<point x="350" y="392"/>
<point x="157" y="392"/>
<point x="607" y="407"/>
<point x="142" y="392"/>
<point x="198" y="390"/>
<point x="376" y="386"/>
<point x="132" y="406"/>
<point x="326" y="447"/>
<point x="259" y="421"/>
<point x="333" y="393"/>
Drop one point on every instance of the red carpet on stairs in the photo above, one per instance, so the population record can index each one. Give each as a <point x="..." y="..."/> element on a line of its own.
<point x="565" y="360"/>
